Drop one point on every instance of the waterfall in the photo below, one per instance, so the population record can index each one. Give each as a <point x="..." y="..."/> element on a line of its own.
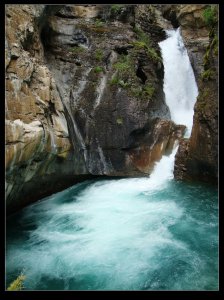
<point x="180" y="91"/>
<point x="180" y="87"/>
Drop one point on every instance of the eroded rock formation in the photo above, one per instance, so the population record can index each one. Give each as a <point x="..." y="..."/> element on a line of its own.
<point x="110" y="81"/>
<point x="197" y="158"/>
<point x="37" y="138"/>
<point x="84" y="96"/>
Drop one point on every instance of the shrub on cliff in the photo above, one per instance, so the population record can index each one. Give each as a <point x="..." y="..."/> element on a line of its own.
<point x="210" y="15"/>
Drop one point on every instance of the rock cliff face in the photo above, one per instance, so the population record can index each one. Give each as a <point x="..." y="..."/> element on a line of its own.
<point x="83" y="96"/>
<point x="197" y="158"/>
<point x="109" y="77"/>
<point x="194" y="30"/>
<point x="37" y="138"/>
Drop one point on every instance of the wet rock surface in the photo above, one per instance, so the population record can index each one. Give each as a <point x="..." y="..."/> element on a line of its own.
<point x="37" y="138"/>
<point x="197" y="159"/>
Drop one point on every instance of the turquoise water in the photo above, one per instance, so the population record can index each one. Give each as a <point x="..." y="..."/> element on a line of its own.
<point x="127" y="234"/>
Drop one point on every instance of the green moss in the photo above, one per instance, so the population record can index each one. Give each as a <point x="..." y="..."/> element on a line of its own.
<point x="119" y="120"/>
<point x="142" y="36"/>
<point x="115" y="8"/>
<point x="214" y="45"/>
<point x="17" y="284"/>
<point x="119" y="82"/>
<point x="207" y="75"/>
<point x="148" y="90"/>
<point x="144" y="42"/>
<point x="99" y="23"/>
<point x="124" y="72"/>
<point x="98" y="69"/>
<point x="136" y="91"/>
<point x="153" y="54"/>
<point x="206" y="57"/>
<point x="216" y="51"/>
<point x="114" y="80"/>
<point x="98" y="54"/>
<point x="212" y="49"/>
<point x="125" y="77"/>
<point x="77" y="49"/>
<point x="122" y="66"/>
<point x="123" y="84"/>
<point x="210" y="15"/>
<point x="139" y="44"/>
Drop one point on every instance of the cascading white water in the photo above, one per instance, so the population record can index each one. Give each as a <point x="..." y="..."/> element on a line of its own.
<point x="180" y="91"/>
<point x="180" y="87"/>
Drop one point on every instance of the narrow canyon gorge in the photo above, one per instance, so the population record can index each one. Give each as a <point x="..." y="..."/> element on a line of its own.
<point x="111" y="147"/>
<point x="84" y="95"/>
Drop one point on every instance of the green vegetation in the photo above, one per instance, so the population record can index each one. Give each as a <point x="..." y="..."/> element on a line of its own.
<point x="77" y="49"/>
<point x="99" y="23"/>
<point x="208" y="74"/>
<point x="17" y="284"/>
<point x="124" y="68"/>
<point x="212" y="48"/>
<point x="144" y="93"/>
<point x="116" y="81"/>
<point x="115" y="8"/>
<point x="136" y="91"/>
<point x="211" y="51"/>
<point x="214" y="45"/>
<point x="98" y="54"/>
<point x="125" y="77"/>
<point x="142" y="36"/>
<point x="98" y="69"/>
<point x="123" y="84"/>
<point x="210" y="15"/>
<point x="119" y="120"/>
<point x="144" y="42"/>
<point x="148" y="90"/>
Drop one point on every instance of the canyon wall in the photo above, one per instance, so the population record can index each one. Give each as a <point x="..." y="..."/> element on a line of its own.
<point x="84" y="96"/>
<point x="197" y="158"/>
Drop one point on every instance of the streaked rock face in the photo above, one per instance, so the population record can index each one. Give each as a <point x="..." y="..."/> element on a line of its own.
<point x="197" y="159"/>
<point x="68" y="115"/>
<point x="37" y="138"/>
